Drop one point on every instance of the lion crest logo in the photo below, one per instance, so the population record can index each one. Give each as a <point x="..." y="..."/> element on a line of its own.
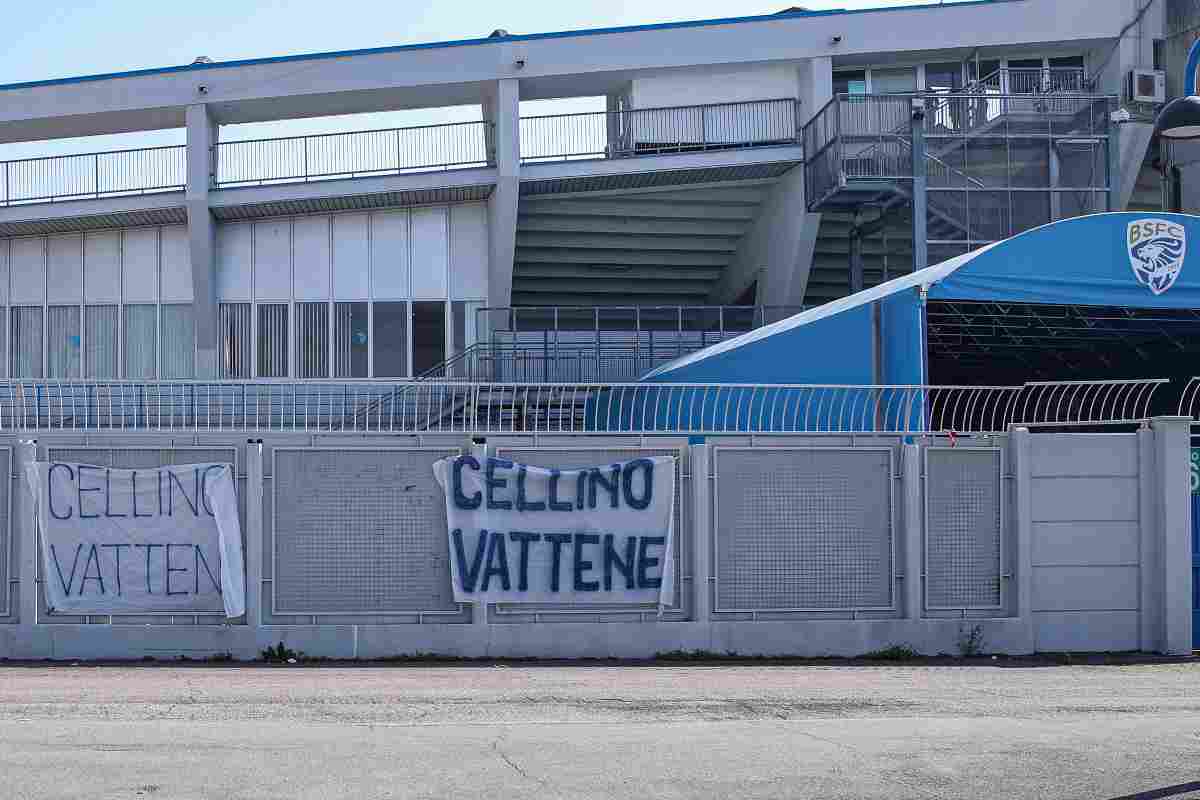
<point x="1156" y="251"/>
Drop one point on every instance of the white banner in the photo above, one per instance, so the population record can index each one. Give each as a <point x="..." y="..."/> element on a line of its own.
<point x="140" y="540"/>
<point x="525" y="534"/>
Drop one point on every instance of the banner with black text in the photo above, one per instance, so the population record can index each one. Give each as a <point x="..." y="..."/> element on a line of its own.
<point x="526" y="534"/>
<point x="163" y="539"/>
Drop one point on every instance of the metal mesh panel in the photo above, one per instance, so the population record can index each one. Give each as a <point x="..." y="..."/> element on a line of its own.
<point x="962" y="528"/>
<point x="803" y="529"/>
<point x="589" y="457"/>
<point x="359" y="531"/>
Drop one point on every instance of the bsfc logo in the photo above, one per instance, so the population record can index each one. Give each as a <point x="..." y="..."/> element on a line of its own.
<point x="1156" y="251"/>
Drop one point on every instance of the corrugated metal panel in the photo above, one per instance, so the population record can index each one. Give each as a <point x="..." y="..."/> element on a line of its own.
<point x="597" y="183"/>
<point x="320" y="205"/>
<point x="89" y="222"/>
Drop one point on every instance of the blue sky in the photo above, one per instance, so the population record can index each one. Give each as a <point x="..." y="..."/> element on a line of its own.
<point x="75" y="37"/>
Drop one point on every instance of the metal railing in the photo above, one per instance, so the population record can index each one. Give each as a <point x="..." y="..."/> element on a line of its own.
<point x="867" y="138"/>
<point x="92" y="175"/>
<point x="594" y="343"/>
<point x="351" y="155"/>
<point x="655" y="131"/>
<point x="1034" y="80"/>
<point x="483" y="408"/>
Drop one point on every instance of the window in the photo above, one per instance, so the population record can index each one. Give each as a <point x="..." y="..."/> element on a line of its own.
<point x="27" y="340"/>
<point x="62" y="342"/>
<point x="234" y="329"/>
<point x="272" y="340"/>
<point x="429" y="336"/>
<point x="391" y="339"/>
<point x="100" y="340"/>
<point x="312" y="340"/>
<point x="894" y="81"/>
<point x="945" y="77"/>
<point x="850" y="82"/>
<point x="350" y="342"/>
<point x="178" y="341"/>
<point x="141" y="339"/>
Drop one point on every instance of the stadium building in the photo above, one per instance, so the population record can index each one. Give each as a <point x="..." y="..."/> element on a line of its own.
<point x="915" y="278"/>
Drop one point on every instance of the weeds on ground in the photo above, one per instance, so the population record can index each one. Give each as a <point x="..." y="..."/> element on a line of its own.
<point x="281" y="654"/>
<point x="896" y="652"/>
<point x="970" y="641"/>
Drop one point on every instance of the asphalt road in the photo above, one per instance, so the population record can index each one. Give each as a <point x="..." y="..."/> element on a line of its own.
<point x="287" y="733"/>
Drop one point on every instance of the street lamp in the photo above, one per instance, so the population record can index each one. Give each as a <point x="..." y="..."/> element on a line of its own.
<point x="1180" y="119"/>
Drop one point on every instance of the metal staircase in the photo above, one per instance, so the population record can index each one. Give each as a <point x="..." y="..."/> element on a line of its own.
<point x="992" y="165"/>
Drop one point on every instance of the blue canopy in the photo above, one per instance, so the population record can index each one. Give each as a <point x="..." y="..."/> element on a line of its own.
<point x="1134" y="260"/>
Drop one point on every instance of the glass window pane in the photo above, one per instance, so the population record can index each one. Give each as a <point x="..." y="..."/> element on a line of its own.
<point x="27" y="340"/>
<point x="312" y="340"/>
<point x="101" y="338"/>
<point x="234" y="329"/>
<point x="272" y="340"/>
<point x="893" y="81"/>
<point x="141" y="338"/>
<point x="350" y="342"/>
<point x="944" y="77"/>
<point x="854" y="82"/>
<point x="178" y="341"/>
<point x="62" y="342"/>
<point x="391" y="340"/>
<point x="429" y="336"/>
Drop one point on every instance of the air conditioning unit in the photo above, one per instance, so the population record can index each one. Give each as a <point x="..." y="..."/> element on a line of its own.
<point x="1147" y="86"/>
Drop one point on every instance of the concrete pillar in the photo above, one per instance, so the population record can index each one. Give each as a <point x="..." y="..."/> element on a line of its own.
<point x="1172" y="467"/>
<point x="703" y="534"/>
<point x="23" y="527"/>
<point x="501" y="107"/>
<point x="816" y="86"/>
<point x="1022" y="529"/>
<point x="914" y="552"/>
<point x="254" y="533"/>
<point x="201" y="137"/>
<point x="1150" y="607"/>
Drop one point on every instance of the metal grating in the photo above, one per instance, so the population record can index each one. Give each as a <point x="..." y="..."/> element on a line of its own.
<point x="963" y="528"/>
<point x="803" y="529"/>
<point x="359" y="531"/>
<point x="576" y="457"/>
<point x="659" y="178"/>
<point x="84" y="222"/>
<point x="326" y="204"/>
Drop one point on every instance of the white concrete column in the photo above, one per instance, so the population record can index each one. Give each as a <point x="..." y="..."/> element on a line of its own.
<point x="914" y="552"/>
<point x="23" y="527"/>
<point x="254" y="533"/>
<point x="1172" y="440"/>
<point x="1022" y="528"/>
<point x="702" y="533"/>
<point x="501" y="107"/>
<point x="201" y="138"/>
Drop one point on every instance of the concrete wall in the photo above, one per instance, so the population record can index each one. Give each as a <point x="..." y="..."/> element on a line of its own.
<point x="715" y="85"/>
<point x="1090" y="531"/>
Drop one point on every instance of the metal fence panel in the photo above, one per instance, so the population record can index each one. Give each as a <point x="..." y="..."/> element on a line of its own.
<point x="964" y="528"/>
<point x="359" y="531"/>
<point x="804" y="529"/>
<point x="575" y="457"/>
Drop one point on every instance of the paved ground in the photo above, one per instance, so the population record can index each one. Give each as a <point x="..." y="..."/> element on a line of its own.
<point x="599" y="731"/>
